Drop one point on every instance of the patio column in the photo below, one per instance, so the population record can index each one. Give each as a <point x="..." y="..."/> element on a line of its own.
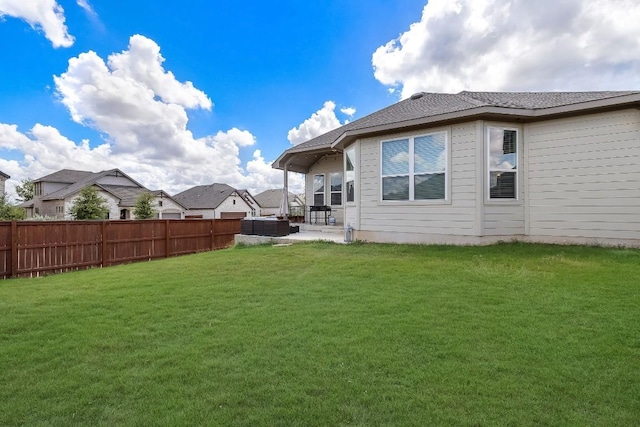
<point x="286" y="176"/>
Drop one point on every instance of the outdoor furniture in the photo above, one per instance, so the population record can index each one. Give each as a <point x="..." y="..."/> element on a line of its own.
<point x="269" y="226"/>
<point x="316" y="209"/>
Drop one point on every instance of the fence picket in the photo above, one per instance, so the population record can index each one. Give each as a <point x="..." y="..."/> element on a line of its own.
<point x="34" y="248"/>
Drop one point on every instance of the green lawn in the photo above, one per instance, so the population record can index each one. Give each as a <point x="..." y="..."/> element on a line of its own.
<point x="325" y="334"/>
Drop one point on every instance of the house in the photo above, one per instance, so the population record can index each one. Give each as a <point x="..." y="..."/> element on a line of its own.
<point x="217" y="201"/>
<point x="3" y="178"/>
<point x="480" y="167"/>
<point x="269" y="201"/>
<point x="55" y="194"/>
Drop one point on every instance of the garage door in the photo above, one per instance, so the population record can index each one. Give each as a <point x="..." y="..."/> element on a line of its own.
<point x="171" y="215"/>
<point x="232" y="215"/>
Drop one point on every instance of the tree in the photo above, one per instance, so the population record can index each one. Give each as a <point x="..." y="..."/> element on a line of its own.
<point x="26" y="190"/>
<point x="144" y="208"/>
<point x="89" y="205"/>
<point x="9" y="212"/>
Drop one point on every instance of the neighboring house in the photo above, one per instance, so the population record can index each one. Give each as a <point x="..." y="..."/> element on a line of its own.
<point x="269" y="201"/>
<point x="55" y="194"/>
<point x="217" y="201"/>
<point x="3" y="178"/>
<point x="251" y="201"/>
<point x="479" y="167"/>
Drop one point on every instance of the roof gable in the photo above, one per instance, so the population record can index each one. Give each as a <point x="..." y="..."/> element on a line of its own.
<point x="87" y="178"/>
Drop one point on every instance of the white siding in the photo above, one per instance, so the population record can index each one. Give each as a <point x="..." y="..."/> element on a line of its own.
<point x="233" y="203"/>
<point x="455" y="217"/>
<point x="584" y="176"/>
<point x="168" y="208"/>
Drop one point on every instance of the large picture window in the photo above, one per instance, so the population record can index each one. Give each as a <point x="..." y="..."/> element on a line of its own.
<point x="350" y="174"/>
<point x="502" y="149"/>
<point x="415" y="168"/>
<point x="318" y="190"/>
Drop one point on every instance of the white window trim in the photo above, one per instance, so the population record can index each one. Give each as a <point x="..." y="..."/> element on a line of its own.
<point x="412" y="174"/>
<point x="488" y="168"/>
<point x="331" y="192"/>
<point x="313" y="190"/>
<point x="344" y="183"/>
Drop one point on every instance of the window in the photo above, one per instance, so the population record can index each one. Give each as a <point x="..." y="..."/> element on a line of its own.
<point x="318" y="190"/>
<point x="415" y="168"/>
<point x="502" y="163"/>
<point x="336" y="188"/>
<point x="160" y="203"/>
<point x="350" y="174"/>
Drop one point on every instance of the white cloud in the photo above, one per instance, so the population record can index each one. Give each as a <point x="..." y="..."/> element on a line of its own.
<point x="322" y="121"/>
<point x="46" y="15"/>
<point x="84" y="4"/>
<point x="515" y="45"/>
<point x="142" y="111"/>
<point x="349" y="111"/>
<point x="134" y="100"/>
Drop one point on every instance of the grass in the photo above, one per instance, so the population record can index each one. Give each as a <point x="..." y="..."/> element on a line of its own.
<point x="324" y="334"/>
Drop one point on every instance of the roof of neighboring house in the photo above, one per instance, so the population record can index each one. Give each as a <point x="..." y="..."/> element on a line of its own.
<point x="128" y="195"/>
<point x="65" y="175"/>
<point x="272" y="198"/>
<point x="86" y="179"/>
<point x="204" y="196"/>
<point x="438" y="108"/>
<point x="4" y="175"/>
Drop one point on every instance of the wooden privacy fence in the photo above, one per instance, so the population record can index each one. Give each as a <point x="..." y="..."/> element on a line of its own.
<point x="35" y="248"/>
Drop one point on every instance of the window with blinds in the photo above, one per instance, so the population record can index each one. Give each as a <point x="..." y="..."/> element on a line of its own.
<point x="415" y="168"/>
<point x="502" y="168"/>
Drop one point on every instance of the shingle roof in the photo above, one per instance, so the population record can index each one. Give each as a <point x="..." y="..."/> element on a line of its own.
<point x="66" y="175"/>
<point x="440" y="107"/>
<point x="204" y="196"/>
<point x="4" y="175"/>
<point x="128" y="195"/>
<point x="87" y="178"/>
<point x="272" y="198"/>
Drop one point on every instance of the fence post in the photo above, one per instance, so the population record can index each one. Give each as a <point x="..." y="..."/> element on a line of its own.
<point x="14" y="249"/>
<point x="213" y="234"/>
<point x="167" y="242"/>
<point x="103" y="257"/>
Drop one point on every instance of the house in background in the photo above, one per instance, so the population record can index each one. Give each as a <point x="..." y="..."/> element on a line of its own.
<point x="217" y="201"/>
<point x="55" y="194"/>
<point x="479" y="167"/>
<point x="3" y="178"/>
<point x="269" y="201"/>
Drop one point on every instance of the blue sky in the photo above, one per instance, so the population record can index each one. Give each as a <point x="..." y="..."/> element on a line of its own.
<point x="264" y="77"/>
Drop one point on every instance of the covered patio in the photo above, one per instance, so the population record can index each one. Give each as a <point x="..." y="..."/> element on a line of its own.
<point x="308" y="232"/>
